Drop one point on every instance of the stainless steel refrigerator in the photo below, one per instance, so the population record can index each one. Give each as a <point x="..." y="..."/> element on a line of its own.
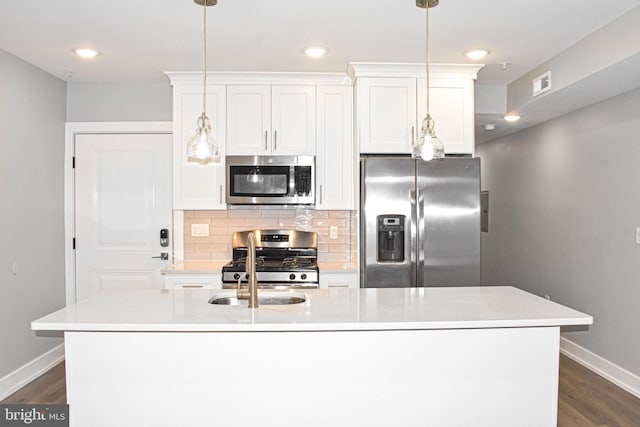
<point x="420" y="222"/>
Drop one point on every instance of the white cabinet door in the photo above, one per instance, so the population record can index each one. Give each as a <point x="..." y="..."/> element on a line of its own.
<point x="293" y="120"/>
<point x="338" y="280"/>
<point x="451" y="106"/>
<point x="386" y="114"/>
<point x="193" y="281"/>
<point x="335" y="181"/>
<point x="271" y="120"/>
<point x="196" y="185"/>
<point x="248" y="119"/>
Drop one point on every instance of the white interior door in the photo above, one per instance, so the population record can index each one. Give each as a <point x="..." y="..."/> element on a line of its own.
<point x="122" y="201"/>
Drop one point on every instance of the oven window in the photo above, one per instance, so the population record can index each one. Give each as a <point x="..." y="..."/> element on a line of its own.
<point x="259" y="180"/>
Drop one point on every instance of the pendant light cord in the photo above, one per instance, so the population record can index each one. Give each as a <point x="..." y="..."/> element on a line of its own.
<point x="427" y="56"/>
<point x="204" y="63"/>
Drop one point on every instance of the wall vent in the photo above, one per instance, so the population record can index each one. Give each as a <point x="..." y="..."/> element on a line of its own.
<point x="542" y="84"/>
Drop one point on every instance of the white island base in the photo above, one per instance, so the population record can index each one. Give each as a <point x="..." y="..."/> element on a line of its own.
<point x="474" y="377"/>
<point x="484" y="356"/>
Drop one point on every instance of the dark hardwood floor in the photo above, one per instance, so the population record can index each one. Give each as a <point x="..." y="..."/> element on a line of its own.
<point x="49" y="388"/>
<point x="585" y="398"/>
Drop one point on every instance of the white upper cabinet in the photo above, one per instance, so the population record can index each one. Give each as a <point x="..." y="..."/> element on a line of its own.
<point x="391" y="103"/>
<point x="277" y="119"/>
<point x="249" y="119"/>
<point x="386" y="114"/>
<point x="196" y="185"/>
<point x="265" y="114"/>
<point x="451" y="105"/>
<point x="335" y="180"/>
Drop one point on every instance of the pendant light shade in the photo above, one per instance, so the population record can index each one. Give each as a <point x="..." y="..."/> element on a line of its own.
<point x="428" y="146"/>
<point x="202" y="146"/>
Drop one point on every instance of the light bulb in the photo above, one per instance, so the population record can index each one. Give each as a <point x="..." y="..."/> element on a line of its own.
<point x="427" y="149"/>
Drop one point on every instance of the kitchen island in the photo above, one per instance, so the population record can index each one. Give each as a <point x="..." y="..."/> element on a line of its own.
<point x="481" y="356"/>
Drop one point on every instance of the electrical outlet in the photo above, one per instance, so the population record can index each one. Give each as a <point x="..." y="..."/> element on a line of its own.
<point x="199" y="230"/>
<point x="333" y="232"/>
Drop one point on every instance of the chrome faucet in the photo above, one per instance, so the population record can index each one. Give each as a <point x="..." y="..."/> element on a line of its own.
<point x="250" y="266"/>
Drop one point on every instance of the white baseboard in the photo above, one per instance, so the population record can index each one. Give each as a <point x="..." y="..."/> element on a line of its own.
<point x="601" y="366"/>
<point x="30" y="371"/>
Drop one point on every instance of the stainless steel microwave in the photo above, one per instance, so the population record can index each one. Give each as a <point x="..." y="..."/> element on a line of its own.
<point x="270" y="180"/>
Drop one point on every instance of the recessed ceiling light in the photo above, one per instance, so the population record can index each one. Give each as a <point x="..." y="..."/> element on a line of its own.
<point x="315" y="52"/>
<point x="477" y="53"/>
<point x="86" y="53"/>
<point x="489" y="127"/>
<point x="512" y="117"/>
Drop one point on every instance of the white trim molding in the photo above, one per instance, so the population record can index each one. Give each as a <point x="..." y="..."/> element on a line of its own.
<point x="619" y="376"/>
<point x="377" y="69"/>
<point x="22" y="376"/>
<point x="259" y="78"/>
<point x="71" y="130"/>
<point x="178" y="236"/>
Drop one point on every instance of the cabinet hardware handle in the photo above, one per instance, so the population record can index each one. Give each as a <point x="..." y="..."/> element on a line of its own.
<point x="275" y="140"/>
<point x="321" y="194"/>
<point x="266" y="135"/>
<point x="192" y="286"/>
<point x="413" y="136"/>
<point x="220" y="196"/>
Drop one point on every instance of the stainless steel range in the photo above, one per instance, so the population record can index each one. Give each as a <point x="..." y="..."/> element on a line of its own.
<point x="285" y="259"/>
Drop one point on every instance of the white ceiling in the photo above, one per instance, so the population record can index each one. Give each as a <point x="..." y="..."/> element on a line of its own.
<point x="139" y="39"/>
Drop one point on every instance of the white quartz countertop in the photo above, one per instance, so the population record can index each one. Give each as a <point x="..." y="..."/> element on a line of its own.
<point x="188" y="310"/>
<point x="194" y="267"/>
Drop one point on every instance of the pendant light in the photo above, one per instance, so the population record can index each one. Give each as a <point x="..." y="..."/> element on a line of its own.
<point x="202" y="146"/>
<point x="428" y="146"/>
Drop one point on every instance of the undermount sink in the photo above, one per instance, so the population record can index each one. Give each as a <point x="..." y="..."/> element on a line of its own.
<point x="274" y="299"/>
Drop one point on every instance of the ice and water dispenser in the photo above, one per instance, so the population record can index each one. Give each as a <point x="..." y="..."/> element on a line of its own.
<point x="391" y="238"/>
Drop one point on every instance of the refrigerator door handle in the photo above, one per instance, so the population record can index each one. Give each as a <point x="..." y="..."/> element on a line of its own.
<point x="420" y="237"/>
<point x="412" y="238"/>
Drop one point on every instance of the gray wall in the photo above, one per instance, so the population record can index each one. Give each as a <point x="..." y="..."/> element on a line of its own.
<point x="103" y="102"/>
<point x="564" y="206"/>
<point x="32" y="116"/>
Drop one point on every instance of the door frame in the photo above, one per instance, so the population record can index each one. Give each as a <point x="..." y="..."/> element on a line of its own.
<point x="79" y="128"/>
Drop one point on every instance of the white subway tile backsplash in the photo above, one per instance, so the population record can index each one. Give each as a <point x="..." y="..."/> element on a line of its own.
<point x="217" y="246"/>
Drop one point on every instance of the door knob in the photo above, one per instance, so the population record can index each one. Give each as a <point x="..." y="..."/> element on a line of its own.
<point x="163" y="256"/>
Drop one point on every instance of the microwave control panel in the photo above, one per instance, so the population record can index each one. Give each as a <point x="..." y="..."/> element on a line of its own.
<point x="303" y="180"/>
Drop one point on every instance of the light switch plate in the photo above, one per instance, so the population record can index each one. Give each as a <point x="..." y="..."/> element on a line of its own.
<point x="637" y="236"/>
<point x="199" y="230"/>
<point x="333" y="232"/>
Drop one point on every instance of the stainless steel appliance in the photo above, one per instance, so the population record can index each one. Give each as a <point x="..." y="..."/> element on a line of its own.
<point x="270" y="180"/>
<point x="420" y="222"/>
<point x="285" y="259"/>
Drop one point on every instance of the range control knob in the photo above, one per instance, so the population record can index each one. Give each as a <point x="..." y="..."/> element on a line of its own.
<point x="236" y="276"/>
<point x="246" y="276"/>
<point x="303" y="276"/>
<point x="292" y="276"/>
